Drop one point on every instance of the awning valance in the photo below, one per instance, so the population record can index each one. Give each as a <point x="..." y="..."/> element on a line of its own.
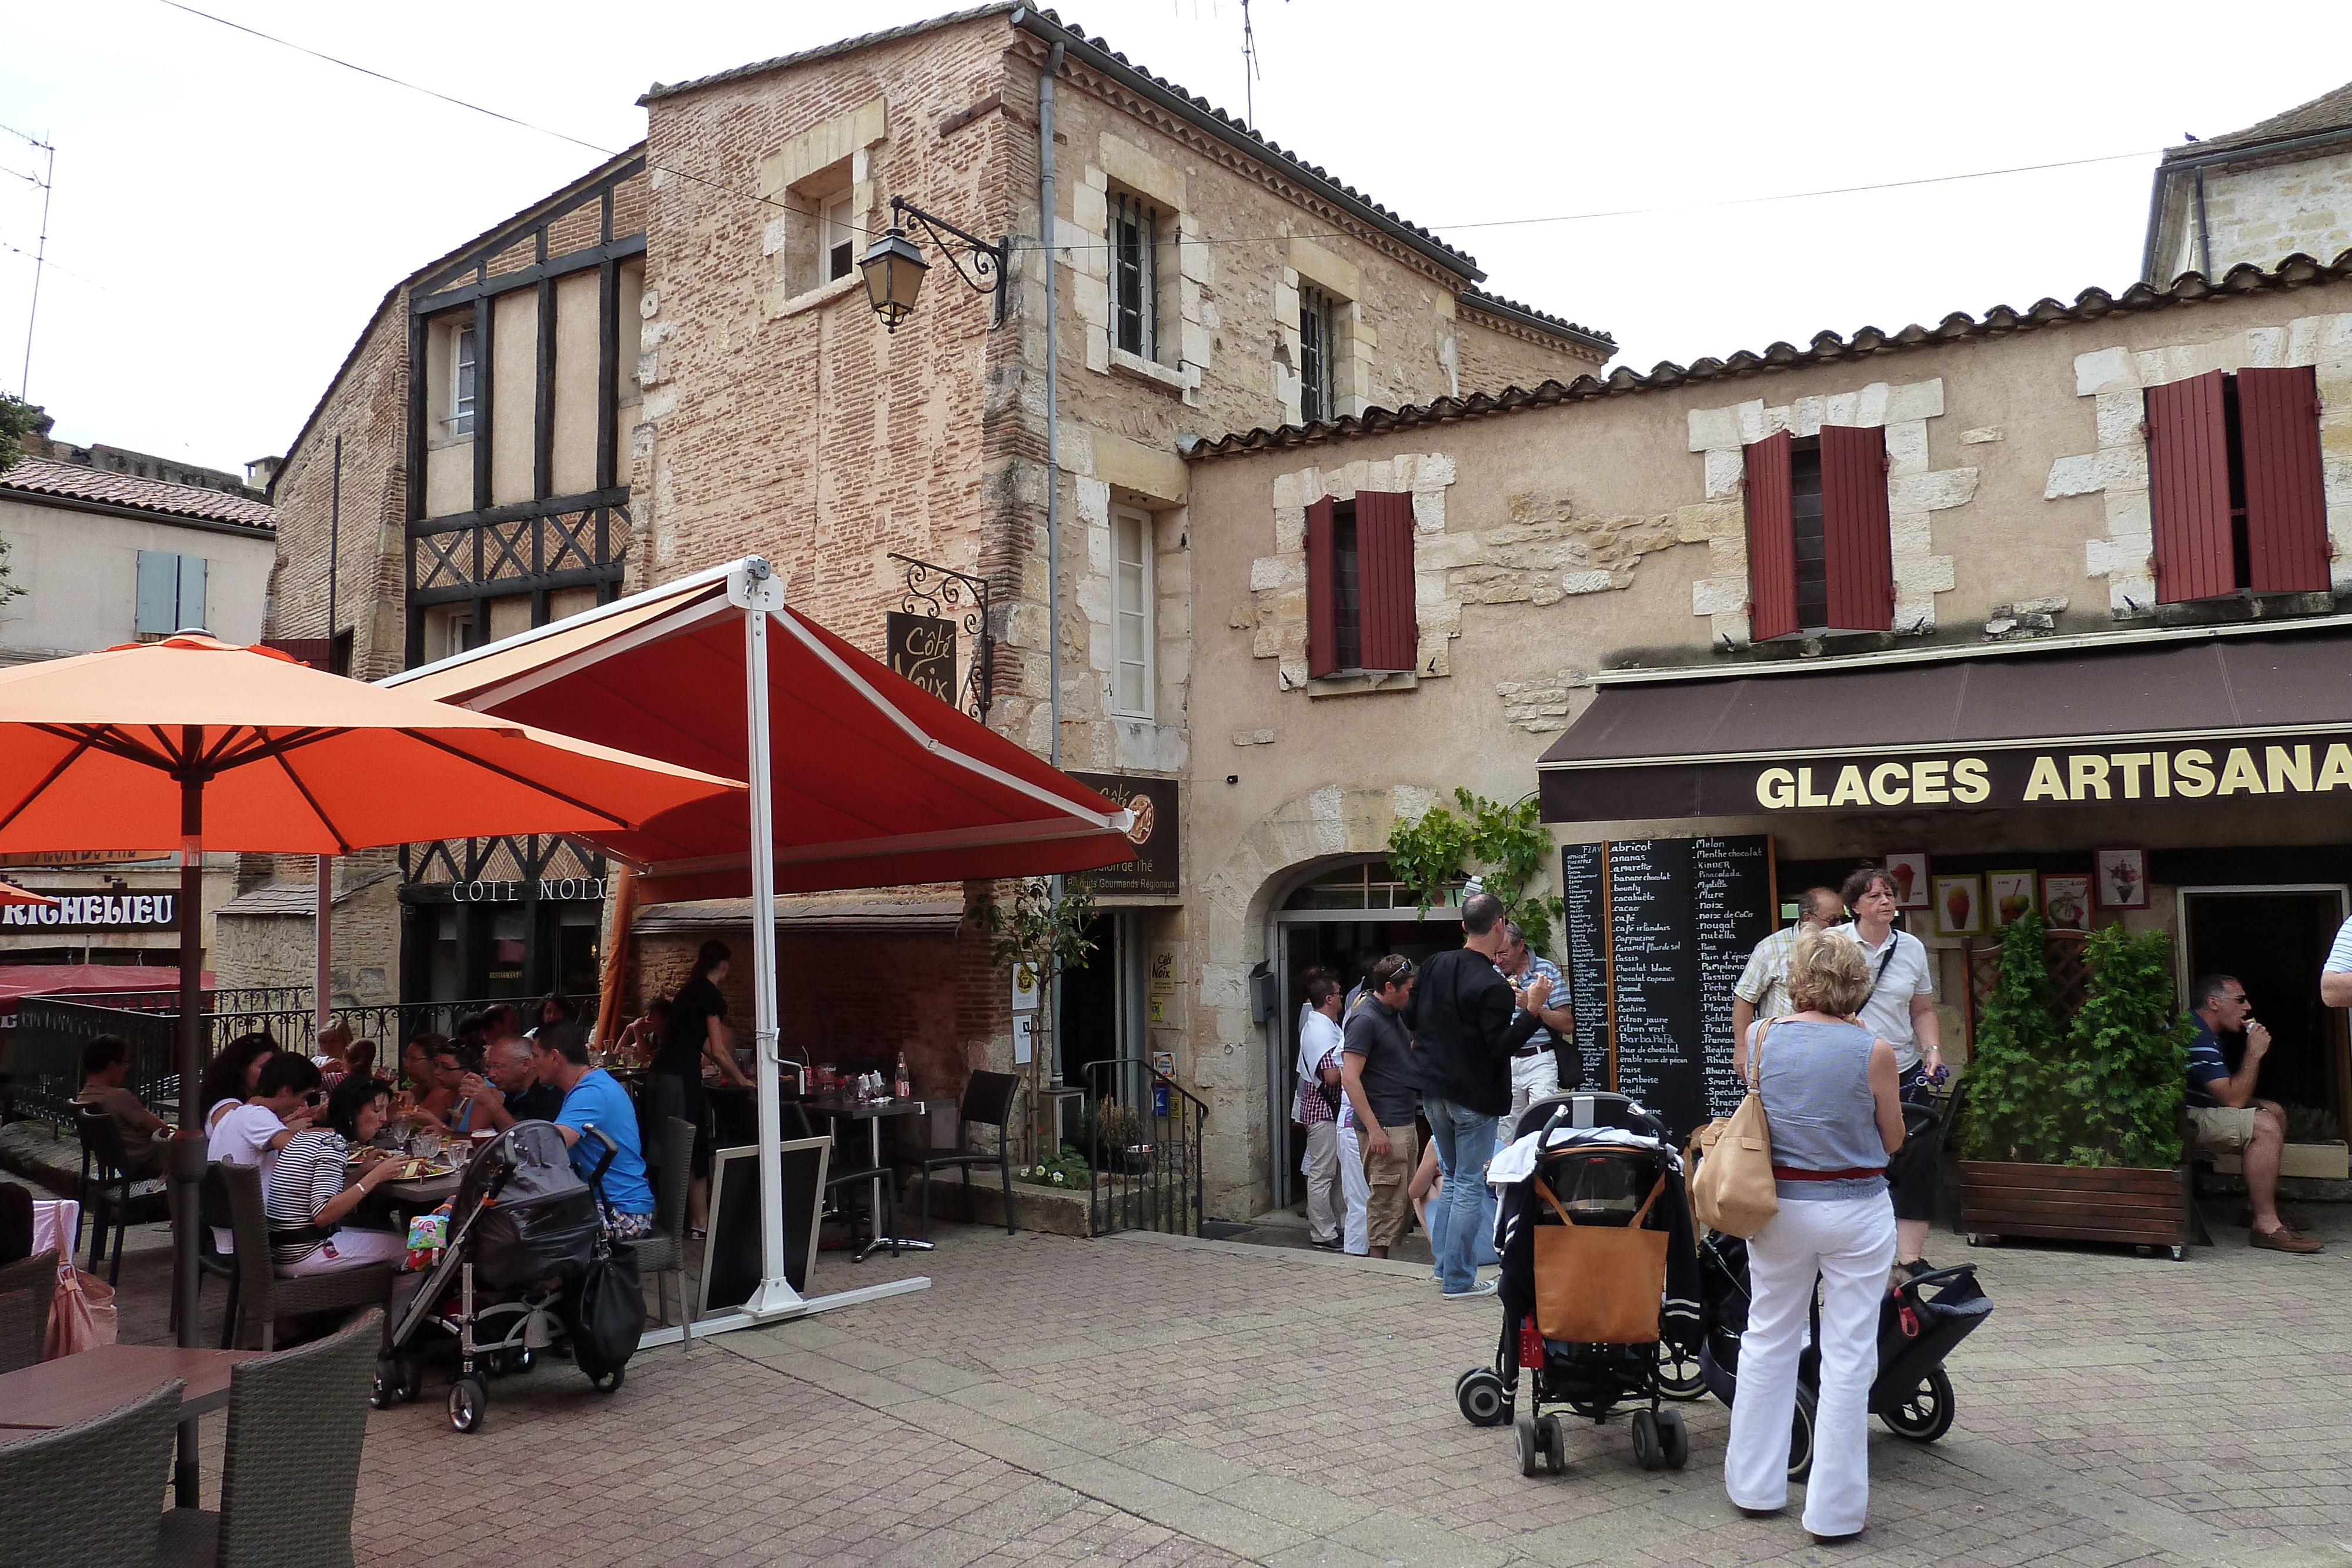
<point x="2198" y="720"/>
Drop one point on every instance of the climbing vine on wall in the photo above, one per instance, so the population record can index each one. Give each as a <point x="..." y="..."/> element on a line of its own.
<point x="1506" y="847"/>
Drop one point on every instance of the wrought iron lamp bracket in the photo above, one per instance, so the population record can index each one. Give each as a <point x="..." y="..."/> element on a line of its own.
<point x="991" y="263"/>
<point x="945" y="595"/>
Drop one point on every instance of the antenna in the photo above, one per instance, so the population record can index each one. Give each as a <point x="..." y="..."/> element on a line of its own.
<point x="44" y="183"/>
<point x="1249" y="69"/>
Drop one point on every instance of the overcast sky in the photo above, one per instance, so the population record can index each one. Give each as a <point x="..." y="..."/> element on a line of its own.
<point x="227" y="212"/>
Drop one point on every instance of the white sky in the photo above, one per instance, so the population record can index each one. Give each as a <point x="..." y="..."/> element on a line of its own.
<point x="228" y="213"/>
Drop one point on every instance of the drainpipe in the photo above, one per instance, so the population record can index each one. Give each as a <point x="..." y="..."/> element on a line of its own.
<point x="1052" y="410"/>
<point x="2204" y="233"/>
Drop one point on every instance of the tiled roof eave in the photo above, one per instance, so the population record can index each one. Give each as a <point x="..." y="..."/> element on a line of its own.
<point x="2188" y="288"/>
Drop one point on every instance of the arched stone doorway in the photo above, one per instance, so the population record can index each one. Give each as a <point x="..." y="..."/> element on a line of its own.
<point x="1306" y="883"/>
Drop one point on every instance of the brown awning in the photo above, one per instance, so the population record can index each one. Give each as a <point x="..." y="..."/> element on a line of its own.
<point x="2198" y="719"/>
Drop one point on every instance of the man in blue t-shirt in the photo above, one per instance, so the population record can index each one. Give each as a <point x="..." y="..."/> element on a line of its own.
<point x="595" y="1098"/>
<point x="2224" y="1115"/>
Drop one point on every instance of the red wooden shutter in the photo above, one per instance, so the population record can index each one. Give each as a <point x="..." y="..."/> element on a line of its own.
<point x="1771" y="541"/>
<point x="2188" y="490"/>
<point x="1322" y="567"/>
<point x="2287" y="494"/>
<point x="1384" y="597"/>
<point x="1857" y="542"/>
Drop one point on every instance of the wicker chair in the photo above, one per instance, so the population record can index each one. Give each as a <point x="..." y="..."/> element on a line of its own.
<point x="104" y="1189"/>
<point x="25" y="1287"/>
<point x="296" y="1421"/>
<point x="211" y="1261"/>
<point x="262" y="1296"/>
<point x="663" y="1253"/>
<point x="86" y="1494"/>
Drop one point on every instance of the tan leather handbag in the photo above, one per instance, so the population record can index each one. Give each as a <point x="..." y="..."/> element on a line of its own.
<point x="1598" y="1284"/>
<point x="1732" y="1190"/>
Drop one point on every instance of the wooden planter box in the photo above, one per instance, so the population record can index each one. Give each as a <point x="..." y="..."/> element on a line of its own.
<point x="2075" y="1203"/>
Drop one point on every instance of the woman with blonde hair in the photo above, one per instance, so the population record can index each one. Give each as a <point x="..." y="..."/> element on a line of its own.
<point x="1830" y="1099"/>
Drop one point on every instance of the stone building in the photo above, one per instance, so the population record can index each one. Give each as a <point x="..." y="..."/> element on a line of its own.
<point x="2256" y="196"/>
<point x="672" y="362"/>
<point x="2067" y="552"/>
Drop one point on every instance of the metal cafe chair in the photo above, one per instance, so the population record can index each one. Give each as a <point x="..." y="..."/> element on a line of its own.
<point x="987" y="1101"/>
<point x="104" y="1187"/>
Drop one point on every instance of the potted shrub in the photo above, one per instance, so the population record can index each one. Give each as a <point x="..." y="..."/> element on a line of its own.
<point x="2072" y="1125"/>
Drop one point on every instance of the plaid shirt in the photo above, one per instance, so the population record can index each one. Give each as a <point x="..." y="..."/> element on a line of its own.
<point x="1312" y="1107"/>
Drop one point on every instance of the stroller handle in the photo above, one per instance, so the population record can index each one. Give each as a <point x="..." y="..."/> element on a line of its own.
<point x="604" y="1162"/>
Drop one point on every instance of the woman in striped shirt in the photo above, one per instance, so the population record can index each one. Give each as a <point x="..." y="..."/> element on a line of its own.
<point x="306" y="1197"/>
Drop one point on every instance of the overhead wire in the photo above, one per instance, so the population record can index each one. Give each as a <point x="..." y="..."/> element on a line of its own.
<point x="1036" y="245"/>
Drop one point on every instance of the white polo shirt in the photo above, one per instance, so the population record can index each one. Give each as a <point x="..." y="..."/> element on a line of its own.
<point x="1898" y="977"/>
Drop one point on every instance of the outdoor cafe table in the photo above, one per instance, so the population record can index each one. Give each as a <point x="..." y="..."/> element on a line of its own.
<point x="389" y="1206"/>
<point x="845" y="1108"/>
<point x="73" y="1388"/>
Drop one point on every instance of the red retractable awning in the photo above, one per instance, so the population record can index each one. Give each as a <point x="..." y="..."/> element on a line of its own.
<point x="874" y="782"/>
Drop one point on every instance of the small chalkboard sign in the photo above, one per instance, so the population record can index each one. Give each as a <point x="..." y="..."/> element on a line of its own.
<point x="730" y="1255"/>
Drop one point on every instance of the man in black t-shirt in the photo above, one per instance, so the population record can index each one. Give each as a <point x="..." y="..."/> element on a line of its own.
<point x="512" y="1091"/>
<point x="1378" y="1072"/>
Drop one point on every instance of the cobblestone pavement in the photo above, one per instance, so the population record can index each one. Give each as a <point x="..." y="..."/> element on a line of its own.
<point x="1161" y="1400"/>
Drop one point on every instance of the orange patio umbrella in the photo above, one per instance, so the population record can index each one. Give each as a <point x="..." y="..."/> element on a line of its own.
<point x="11" y="894"/>
<point x="198" y="743"/>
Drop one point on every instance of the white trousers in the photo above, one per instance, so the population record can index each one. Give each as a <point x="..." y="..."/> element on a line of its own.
<point x="1533" y="1078"/>
<point x="350" y="1250"/>
<point x="1851" y="1245"/>
<point x="1320" y="1166"/>
<point x="1357" y="1189"/>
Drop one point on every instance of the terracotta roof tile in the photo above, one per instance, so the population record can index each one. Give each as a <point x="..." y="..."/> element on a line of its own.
<point x="2188" y="288"/>
<point x="72" y="482"/>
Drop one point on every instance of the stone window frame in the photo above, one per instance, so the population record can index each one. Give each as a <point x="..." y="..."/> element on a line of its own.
<point x="2115" y="379"/>
<point x="1146" y="533"/>
<point x="1182" y="337"/>
<point x="803" y="176"/>
<point x="1913" y="493"/>
<point x="1354" y="343"/>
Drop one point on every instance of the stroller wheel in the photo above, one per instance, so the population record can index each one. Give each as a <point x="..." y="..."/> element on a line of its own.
<point x="470" y="1405"/>
<point x="1673" y="1438"/>
<point x="1800" y="1436"/>
<point x="1679" y="1376"/>
<point x="608" y="1382"/>
<point x="1554" y="1441"/>
<point x="1649" y="1448"/>
<point x="1531" y="1445"/>
<point x="1484" y="1401"/>
<point x="523" y="1359"/>
<point x="1925" y="1413"/>
<point x="384" y="1391"/>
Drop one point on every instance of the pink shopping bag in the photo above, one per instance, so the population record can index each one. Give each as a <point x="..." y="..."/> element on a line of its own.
<point x="81" y="1313"/>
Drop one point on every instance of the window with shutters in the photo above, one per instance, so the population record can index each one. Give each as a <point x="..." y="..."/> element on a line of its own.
<point x="1360" y="614"/>
<point x="1821" y="551"/>
<point x="1131" y="614"/>
<point x="171" y="593"/>
<point x="2236" y="493"/>
<point x="1135" y="226"/>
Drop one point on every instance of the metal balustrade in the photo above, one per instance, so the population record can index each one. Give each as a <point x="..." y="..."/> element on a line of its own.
<point x="1144" y="1143"/>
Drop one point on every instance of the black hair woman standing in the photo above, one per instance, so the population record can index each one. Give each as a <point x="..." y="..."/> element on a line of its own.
<point x="696" y="1033"/>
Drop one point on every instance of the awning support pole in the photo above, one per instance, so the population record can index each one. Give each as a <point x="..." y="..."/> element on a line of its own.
<point x="754" y="587"/>
<point x="321" y="998"/>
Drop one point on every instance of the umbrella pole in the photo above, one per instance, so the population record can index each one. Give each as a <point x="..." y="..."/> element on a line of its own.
<point x="186" y="1158"/>
<point x="759" y="592"/>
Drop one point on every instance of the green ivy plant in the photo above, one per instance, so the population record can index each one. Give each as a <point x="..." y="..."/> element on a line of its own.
<point x="1506" y="846"/>
<point x="2126" y="1056"/>
<point x="2102" y="1090"/>
<point x="2012" y="1103"/>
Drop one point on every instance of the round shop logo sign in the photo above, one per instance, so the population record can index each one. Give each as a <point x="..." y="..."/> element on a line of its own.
<point x="1145" y="818"/>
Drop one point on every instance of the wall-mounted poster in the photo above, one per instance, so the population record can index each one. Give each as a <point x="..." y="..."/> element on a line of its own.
<point x="1960" y="906"/>
<point x="2066" y="902"/>
<point x="2119" y="878"/>
<point x="2012" y="896"/>
<point x="1909" y="871"/>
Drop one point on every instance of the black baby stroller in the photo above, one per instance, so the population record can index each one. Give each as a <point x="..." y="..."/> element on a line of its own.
<point x="1918" y="1325"/>
<point x="1603" y="1163"/>
<point x="524" y="1232"/>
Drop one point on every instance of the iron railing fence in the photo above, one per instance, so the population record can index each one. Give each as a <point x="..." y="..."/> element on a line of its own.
<point x="41" y="1071"/>
<point x="1144" y="1143"/>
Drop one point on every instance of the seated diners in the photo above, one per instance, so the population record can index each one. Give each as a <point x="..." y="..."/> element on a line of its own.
<point x="253" y="1133"/>
<point x="595" y="1098"/>
<point x="105" y="1063"/>
<point x="416" y="1063"/>
<point x="229" y="1081"/>
<point x="312" y="1188"/>
<point x="444" y="1105"/>
<point x="513" y="1091"/>
<point x="640" y="1036"/>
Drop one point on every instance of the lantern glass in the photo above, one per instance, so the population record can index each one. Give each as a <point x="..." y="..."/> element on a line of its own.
<point x="894" y="271"/>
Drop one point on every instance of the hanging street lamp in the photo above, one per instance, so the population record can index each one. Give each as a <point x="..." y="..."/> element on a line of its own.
<point x="894" y="265"/>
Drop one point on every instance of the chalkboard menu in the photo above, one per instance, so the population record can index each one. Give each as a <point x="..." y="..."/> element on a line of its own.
<point x="1677" y="918"/>
<point x="1586" y="950"/>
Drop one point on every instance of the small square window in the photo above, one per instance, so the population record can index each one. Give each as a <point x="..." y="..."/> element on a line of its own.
<point x="840" y="236"/>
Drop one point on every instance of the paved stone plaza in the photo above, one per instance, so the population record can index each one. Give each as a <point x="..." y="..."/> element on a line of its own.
<point x="1155" y="1400"/>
